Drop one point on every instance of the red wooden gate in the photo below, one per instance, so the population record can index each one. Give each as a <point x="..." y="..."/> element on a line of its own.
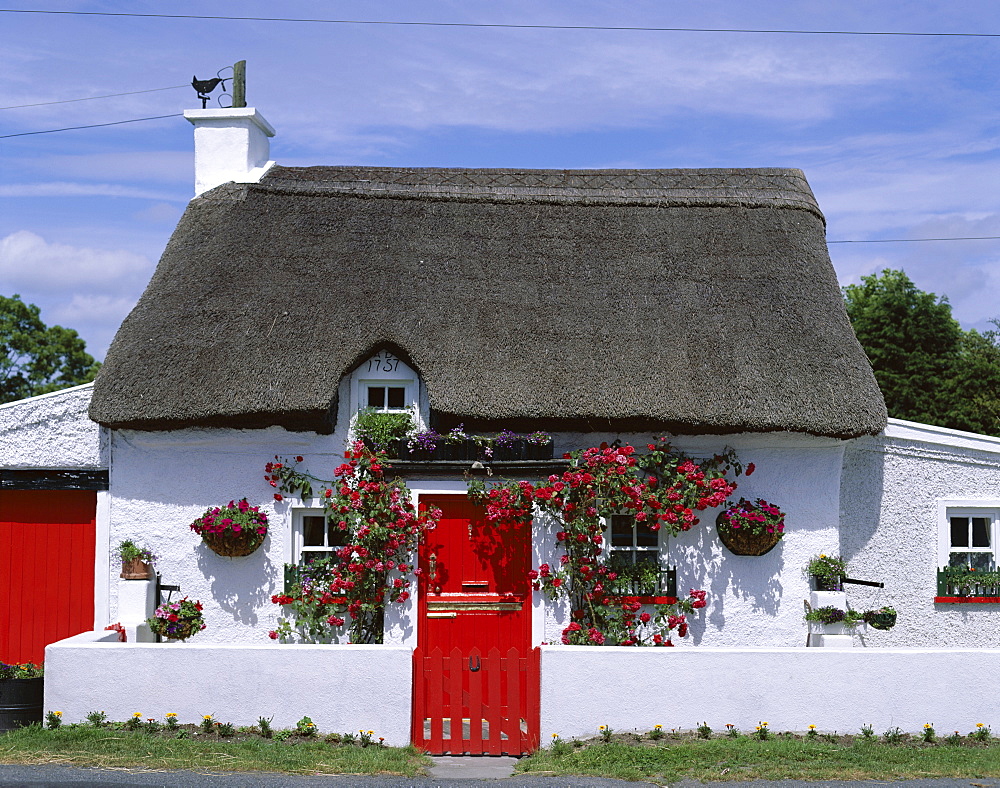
<point x="465" y="702"/>
<point x="46" y="569"/>
<point x="476" y="678"/>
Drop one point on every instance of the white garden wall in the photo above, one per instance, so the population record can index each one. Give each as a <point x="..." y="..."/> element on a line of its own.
<point x="891" y="491"/>
<point x="341" y="688"/>
<point x="836" y="690"/>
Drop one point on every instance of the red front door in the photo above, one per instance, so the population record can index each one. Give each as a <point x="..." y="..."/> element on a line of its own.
<point x="474" y="587"/>
<point x="475" y="674"/>
<point x="46" y="569"/>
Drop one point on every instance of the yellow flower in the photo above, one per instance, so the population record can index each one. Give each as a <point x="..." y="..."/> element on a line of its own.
<point x="757" y="728"/>
<point x="137" y="714"/>
<point x="555" y="735"/>
<point x="370" y="732"/>
<point x="206" y="716"/>
<point x="658" y="727"/>
<point x="57" y="713"/>
<point x="171" y="714"/>
<point x="812" y="727"/>
<point x="979" y="725"/>
<point x="927" y="725"/>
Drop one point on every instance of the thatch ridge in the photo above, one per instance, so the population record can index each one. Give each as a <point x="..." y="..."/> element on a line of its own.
<point x="605" y="298"/>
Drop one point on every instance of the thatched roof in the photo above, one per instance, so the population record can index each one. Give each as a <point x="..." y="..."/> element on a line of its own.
<point x="695" y="301"/>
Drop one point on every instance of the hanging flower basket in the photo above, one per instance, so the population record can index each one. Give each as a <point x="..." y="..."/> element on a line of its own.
<point x="231" y="544"/>
<point x="233" y="530"/>
<point x="884" y="618"/>
<point x="177" y="620"/>
<point x="750" y="528"/>
<point x="741" y="542"/>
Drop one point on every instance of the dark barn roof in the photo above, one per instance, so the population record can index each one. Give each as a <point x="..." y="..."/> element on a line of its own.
<point x="694" y="301"/>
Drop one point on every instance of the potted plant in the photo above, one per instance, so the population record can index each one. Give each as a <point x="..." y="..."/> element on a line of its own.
<point x="834" y="621"/>
<point x="424" y="445"/>
<point x="177" y="620"/>
<point x="21" y="695"/>
<point x="483" y="448"/>
<point x="883" y="618"/>
<point x="750" y="528"/>
<point x="538" y="446"/>
<point x="136" y="561"/>
<point x="827" y="571"/>
<point x="456" y="444"/>
<point x="508" y="445"/>
<point x="233" y="530"/>
<point x="382" y="431"/>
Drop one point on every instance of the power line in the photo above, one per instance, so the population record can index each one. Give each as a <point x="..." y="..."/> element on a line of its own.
<point x="633" y="28"/>
<point x="91" y="126"/>
<point x="92" y="98"/>
<point x="920" y="240"/>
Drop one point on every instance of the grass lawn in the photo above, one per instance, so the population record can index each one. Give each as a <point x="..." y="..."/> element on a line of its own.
<point x="108" y="747"/>
<point x="782" y="756"/>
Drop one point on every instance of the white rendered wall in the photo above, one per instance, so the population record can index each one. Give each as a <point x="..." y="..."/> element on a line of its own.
<point x="752" y="601"/>
<point x="892" y="486"/>
<point x="342" y="688"/>
<point x="163" y="481"/>
<point x="51" y="431"/>
<point x="835" y="690"/>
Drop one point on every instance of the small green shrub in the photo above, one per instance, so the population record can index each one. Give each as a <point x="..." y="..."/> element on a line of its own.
<point x="97" y="719"/>
<point x="704" y="731"/>
<point x="379" y="428"/>
<point x="53" y="719"/>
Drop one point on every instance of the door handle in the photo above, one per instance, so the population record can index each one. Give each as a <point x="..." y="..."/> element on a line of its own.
<point x="474" y="666"/>
<point x="433" y="566"/>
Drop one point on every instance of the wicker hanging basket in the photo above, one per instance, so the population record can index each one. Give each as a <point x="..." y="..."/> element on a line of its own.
<point x="744" y="541"/>
<point x="233" y="545"/>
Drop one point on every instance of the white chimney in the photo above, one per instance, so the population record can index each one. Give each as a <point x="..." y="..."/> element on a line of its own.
<point x="229" y="145"/>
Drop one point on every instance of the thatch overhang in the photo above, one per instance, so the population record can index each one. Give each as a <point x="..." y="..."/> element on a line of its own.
<point x="694" y="301"/>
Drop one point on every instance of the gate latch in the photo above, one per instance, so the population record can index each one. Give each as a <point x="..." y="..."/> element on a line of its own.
<point x="474" y="666"/>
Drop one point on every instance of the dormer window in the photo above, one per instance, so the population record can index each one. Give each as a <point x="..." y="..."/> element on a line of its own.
<point x="384" y="383"/>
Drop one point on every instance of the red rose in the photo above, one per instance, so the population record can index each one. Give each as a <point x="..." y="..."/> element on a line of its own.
<point x="279" y="497"/>
<point x="750" y="469"/>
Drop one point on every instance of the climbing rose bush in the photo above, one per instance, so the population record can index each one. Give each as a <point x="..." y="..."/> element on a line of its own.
<point x="661" y="488"/>
<point x="346" y="595"/>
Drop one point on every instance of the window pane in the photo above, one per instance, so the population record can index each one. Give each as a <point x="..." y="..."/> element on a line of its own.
<point x="981" y="562"/>
<point x="308" y="558"/>
<point x="980" y="532"/>
<point x="312" y="531"/>
<point x="646" y="557"/>
<point x="622" y="529"/>
<point x="376" y="396"/>
<point x="959" y="531"/>
<point x="336" y="537"/>
<point x="644" y="537"/>
<point x="397" y="397"/>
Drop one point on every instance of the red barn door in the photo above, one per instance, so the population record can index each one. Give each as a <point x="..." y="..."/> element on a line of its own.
<point x="46" y="569"/>
<point x="475" y="674"/>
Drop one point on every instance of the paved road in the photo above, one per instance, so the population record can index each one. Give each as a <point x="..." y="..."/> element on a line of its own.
<point x="63" y="776"/>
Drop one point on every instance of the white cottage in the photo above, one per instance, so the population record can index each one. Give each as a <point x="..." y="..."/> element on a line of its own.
<point x="597" y="306"/>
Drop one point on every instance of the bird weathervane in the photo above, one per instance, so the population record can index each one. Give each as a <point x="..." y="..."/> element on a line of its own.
<point x="204" y="87"/>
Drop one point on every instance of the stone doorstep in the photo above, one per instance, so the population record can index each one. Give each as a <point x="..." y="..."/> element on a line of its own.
<point x="479" y="767"/>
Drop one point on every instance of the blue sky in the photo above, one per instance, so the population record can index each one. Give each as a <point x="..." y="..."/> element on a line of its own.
<point x="898" y="136"/>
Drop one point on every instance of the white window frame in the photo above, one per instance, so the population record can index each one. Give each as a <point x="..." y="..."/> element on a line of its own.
<point x="633" y="549"/>
<point x="299" y="547"/>
<point x="989" y="508"/>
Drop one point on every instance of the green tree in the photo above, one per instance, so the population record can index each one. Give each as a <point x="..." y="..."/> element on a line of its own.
<point x="928" y="368"/>
<point x="35" y="358"/>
